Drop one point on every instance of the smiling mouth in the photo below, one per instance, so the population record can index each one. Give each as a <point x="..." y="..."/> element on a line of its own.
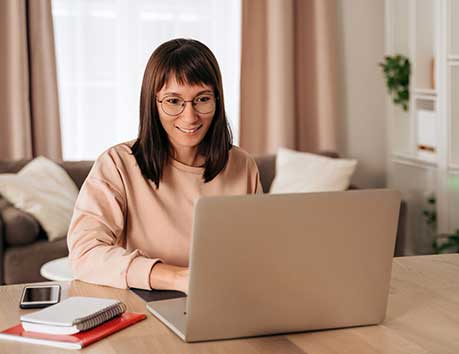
<point x="189" y="131"/>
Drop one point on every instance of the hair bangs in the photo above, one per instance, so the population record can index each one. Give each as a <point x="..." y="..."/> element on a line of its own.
<point x="188" y="67"/>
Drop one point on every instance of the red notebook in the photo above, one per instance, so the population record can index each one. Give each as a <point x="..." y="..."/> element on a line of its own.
<point x="73" y="341"/>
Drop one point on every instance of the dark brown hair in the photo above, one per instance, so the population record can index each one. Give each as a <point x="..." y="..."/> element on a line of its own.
<point x="192" y="63"/>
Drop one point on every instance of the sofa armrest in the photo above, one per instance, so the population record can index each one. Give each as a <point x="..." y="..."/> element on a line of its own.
<point x="2" y="242"/>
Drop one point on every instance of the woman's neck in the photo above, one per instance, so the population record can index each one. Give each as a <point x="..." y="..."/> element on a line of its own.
<point x="189" y="157"/>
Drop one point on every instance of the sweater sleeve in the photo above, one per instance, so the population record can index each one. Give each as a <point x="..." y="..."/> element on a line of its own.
<point x="97" y="231"/>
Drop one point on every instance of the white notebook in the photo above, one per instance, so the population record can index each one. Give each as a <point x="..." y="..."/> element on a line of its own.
<point x="72" y="315"/>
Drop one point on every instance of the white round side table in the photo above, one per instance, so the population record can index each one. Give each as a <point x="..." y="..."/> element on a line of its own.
<point x="57" y="270"/>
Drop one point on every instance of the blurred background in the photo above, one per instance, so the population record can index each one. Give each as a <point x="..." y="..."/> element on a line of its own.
<point x="376" y="81"/>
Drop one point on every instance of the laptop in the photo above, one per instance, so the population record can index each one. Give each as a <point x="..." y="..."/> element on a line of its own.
<point x="268" y="264"/>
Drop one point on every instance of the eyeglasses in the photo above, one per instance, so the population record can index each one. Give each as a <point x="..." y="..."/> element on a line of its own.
<point x="173" y="105"/>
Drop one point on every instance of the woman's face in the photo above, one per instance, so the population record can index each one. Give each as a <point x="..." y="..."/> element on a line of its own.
<point x="185" y="129"/>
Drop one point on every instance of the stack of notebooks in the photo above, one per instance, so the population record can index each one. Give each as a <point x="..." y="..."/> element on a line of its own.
<point x="74" y="323"/>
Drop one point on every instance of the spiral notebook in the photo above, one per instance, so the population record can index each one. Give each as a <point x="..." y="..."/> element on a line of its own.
<point x="73" y="315"/>
<point x="71" y="341"/>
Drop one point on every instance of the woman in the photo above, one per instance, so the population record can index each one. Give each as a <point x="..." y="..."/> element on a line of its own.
<point x="131" y="225"/>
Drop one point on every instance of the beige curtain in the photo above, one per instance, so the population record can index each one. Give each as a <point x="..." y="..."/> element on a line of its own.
<point x="288" y="75"/>
<point x="29" y="106"/>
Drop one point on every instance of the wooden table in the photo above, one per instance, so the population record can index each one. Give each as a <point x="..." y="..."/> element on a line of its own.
<point x="422" y="317"/>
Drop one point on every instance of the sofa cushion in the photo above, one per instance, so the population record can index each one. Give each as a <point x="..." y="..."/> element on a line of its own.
<point x="43" y="189"/>
<point x="301" y="172"/>
<point x="20" y="228"/>
<point x="267" y="168"/>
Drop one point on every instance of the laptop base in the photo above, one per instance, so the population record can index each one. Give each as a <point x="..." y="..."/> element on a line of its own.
<point x="171" y="313"/>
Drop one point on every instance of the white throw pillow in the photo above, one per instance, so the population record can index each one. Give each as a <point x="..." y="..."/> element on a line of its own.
<point x="300" y="172"/>
<point x="45" y="190"/>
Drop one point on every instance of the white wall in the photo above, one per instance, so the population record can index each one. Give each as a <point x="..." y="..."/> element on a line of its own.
<point x="361" y="90"/>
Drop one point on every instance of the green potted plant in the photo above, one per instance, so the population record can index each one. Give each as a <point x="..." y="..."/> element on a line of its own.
<point x="442" y="243"/>
<point x="397" y="70"/>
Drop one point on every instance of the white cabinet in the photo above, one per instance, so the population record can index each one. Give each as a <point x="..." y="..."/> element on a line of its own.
<point x="453" y="24"/>
<point x="454" y="113"/>
<point x="423" y="143"/>
<point x="451" y="183"/>
<point x="424" y="25"/>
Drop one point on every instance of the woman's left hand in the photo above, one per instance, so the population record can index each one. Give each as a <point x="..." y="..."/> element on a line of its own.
<point x="169" y="277"/>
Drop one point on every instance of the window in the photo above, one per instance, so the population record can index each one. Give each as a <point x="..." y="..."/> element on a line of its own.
<point x="102" y="47"/>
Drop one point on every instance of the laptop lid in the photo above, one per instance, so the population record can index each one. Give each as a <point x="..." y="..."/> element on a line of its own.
<point x="264" y="264"/>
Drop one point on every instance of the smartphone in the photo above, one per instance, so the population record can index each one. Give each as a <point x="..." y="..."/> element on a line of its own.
<point x="37" y="296"/>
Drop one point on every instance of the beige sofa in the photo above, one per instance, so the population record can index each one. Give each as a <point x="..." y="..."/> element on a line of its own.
<point x="24" y="247"/>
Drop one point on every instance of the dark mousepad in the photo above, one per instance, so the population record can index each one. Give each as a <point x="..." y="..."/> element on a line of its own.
<point x="156" y="295"/>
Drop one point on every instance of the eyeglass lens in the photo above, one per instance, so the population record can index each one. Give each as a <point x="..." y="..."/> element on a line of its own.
<point x="173" y="105"/>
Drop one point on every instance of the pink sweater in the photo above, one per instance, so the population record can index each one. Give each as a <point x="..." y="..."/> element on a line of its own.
<point x="122" y="225"/>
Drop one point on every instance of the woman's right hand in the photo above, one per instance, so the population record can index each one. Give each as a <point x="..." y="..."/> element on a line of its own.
<point x="169" y="277"/>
